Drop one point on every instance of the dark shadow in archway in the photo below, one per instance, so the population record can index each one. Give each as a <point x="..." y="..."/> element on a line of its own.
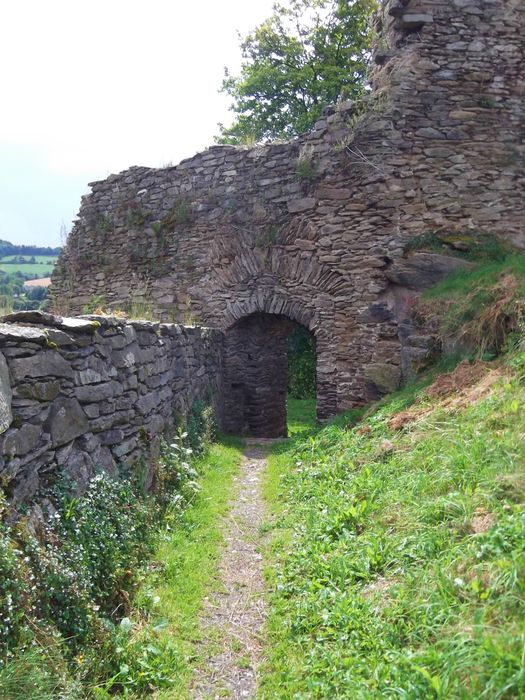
<point x="255" y="376"/>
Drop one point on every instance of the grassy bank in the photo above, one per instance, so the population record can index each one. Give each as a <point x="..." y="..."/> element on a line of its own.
<point x="188" y="558"/>
<point x="116" y="586"/>
<point x="399" y="547"/>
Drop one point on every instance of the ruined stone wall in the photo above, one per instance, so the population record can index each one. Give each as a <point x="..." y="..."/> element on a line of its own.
<point x="322" y="229"/>
<point x="78" y="395"/>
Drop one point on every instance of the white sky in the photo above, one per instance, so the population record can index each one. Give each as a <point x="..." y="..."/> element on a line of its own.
<point x="91" y="87"/>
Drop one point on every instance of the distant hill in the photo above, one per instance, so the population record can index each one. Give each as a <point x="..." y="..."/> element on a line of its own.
<point x="7" y="248"/>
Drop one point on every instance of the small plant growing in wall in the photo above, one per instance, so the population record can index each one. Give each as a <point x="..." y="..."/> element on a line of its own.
<point x="106" y="223"/>
<point x="305" y="167"/>
<point x="180" y="214"/>
<point x="487" y="102"/>
<point x="141" y="309"/>
<point x="96" y="301"/>
<point x="268" y="237"/>
<point x="135" y="216"/>
<point x="135" y="254"/>
<point x="231" y="206"/>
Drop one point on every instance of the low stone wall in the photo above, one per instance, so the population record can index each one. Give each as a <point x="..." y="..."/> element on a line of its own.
<point x="82" y="394"/>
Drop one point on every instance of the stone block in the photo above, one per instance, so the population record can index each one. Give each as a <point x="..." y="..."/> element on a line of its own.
<point x="47" y="363"/>
<point x="384" y="377"/>
<point x="19" y="442"/>
<point x="66" y="421"/>
<point x="299" y="205"/>
<point x="415" y="20"/>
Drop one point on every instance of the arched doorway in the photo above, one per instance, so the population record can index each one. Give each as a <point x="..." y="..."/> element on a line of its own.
<point x="255" y="374"/>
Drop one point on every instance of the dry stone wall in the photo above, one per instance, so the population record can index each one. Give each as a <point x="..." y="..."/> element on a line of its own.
<point x="79" y="395"/>
<point x="324" y="230"/>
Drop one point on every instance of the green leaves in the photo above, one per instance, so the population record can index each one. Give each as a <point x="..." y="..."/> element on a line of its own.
<point x="307" y="55"/>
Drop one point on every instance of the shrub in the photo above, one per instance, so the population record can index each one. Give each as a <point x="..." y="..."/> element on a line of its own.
<point x="200" y="426"/>
<point x="301" y="364"/>
<point x="13" y="592"/>
<point x="72" y="590"/>
<point x="61" y="588"/>
<point x="108" y="528"/>
<point x="176" y="478"/>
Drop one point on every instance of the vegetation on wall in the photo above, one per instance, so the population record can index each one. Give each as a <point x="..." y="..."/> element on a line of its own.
<point x="475" y="246"/>
<point x="308" y="54"/>
<point x="67" y="589"/>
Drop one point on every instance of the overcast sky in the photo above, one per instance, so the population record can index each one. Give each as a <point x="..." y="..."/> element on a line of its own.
<point x="89" y="88"/>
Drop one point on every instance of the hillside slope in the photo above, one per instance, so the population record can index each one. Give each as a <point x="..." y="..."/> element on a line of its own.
<point x="399" y="546"/>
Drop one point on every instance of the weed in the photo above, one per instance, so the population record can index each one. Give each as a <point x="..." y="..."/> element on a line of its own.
<point x="487" y="101"/>
<point x="305" y="169"/>
<point x="268" y="237"/>
<point x="106" y="223"/>
<point x="141" y="310"/>
<point x="135" y="216"/>
<point x="96" y="301"/>
<point x="180" y="214"/>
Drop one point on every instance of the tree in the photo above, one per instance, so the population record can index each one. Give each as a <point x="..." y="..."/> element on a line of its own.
<point x="306" y="55"/>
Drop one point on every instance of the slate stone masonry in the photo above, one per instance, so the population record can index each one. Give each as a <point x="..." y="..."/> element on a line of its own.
<point x="321" y="229"/>
<point x="82" y="394"/>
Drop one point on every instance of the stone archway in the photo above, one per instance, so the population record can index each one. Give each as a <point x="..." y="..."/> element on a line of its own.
<point x="255" y="375"/>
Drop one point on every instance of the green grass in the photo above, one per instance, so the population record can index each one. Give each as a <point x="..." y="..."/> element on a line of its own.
<point x="39" y="258"/>
<point x="461" y="283"/>
<point x="380" y="586"/>
<point x="43" y="267"/>
<point x="40" y="673"/>
<point x="187" y="559"/>
<point x="301" y="415"/>
<point x="301" y="422"/>
<point x="483" y="306"/>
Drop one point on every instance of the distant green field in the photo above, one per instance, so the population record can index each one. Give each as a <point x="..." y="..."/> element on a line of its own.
<point x="42" y="268"/>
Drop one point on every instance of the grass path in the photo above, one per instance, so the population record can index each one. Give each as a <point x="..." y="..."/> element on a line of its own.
<point x="234" y="617"/>
<point x="210" y="581"/>
<point x="190" y="559"/>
